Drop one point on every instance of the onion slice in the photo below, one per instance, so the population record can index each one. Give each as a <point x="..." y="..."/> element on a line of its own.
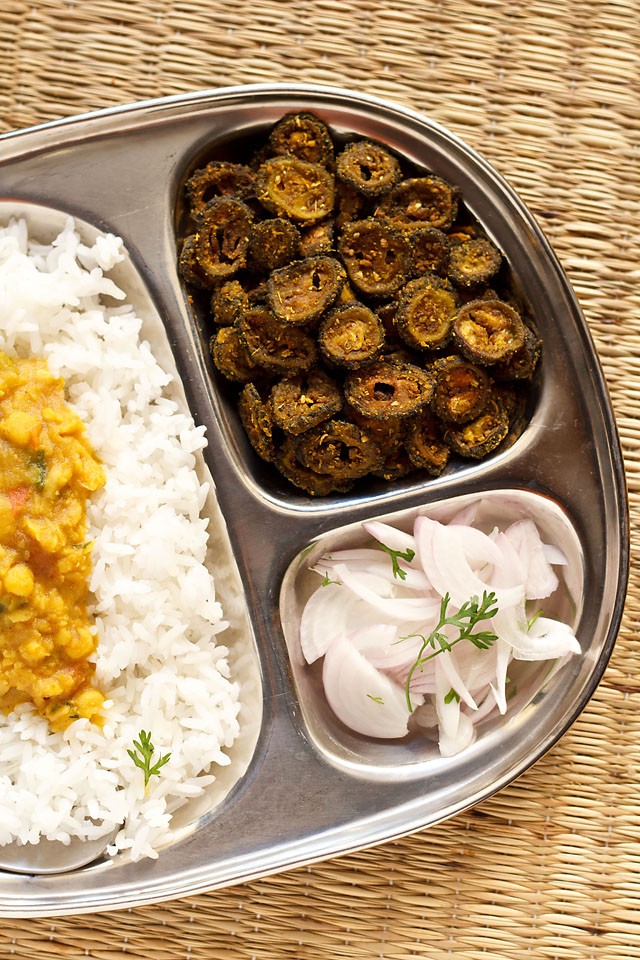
<point x="362" y="697"/>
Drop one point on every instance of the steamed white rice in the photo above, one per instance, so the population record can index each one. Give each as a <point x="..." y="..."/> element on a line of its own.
<point x="156" y="611"/>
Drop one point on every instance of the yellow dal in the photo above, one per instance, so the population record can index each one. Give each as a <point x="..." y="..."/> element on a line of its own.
<point x="47" y="471"/>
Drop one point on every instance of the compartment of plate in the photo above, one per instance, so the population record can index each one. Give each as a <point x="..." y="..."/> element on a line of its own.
<point x="536" y="683"/>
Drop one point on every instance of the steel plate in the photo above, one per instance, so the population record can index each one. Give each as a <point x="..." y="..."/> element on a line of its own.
<point x="299" y="792"/>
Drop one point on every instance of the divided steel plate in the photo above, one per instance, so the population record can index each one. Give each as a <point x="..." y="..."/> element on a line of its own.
<point x="298" y="792"/>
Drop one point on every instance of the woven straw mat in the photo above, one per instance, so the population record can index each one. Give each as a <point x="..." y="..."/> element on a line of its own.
<point x="548" y="93"/>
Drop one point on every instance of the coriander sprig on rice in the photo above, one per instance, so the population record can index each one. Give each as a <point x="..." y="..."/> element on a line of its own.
<point x="142" y="758"/>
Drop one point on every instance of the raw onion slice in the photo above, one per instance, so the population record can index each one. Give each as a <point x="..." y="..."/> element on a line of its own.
<point x="456" y="683"/>
<point x="444" y="554"/>
<point x="331" y="612"/>
<point x="375" y="563"/>
<point x="540" y="580"/>
<point x="410" y="609"/>
<point x="391" y="537"/>
<point x="363" y="698"/>
<point x="385" y="649"/>
<point x="499" y="688"/>
<point x="455" y="729"/>
<point x="546" y="639"/>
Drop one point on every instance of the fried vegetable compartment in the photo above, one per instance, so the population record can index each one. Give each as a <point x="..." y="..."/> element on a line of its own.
<point x="361" y="318"/>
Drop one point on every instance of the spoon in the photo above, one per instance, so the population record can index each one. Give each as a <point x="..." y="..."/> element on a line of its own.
<point x="48" y="857"/>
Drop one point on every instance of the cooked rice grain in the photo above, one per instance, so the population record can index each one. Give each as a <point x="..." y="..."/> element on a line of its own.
<point x="156" y="611"/>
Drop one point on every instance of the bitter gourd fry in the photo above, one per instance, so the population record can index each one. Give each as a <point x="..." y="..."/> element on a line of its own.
<point x="230" y="356"/>
<point x="302" y="135"/>
<point x="256" y="416"/>
<point x="228" y="300"/>
<point x="277" y="347"/>
<point x="272" y="244"/>
<point x="318" y="239"/>
<point x="474" y="263"/>
<point x="351" y="336"/>
<point x="388" y="434"/>
<point x="350" y="205"/>
<point x="302" y="402"/>
<point x="301" y="292"/>
<point x="480" y="436"/>
<point x="218" y="179"/>
<point x="189" y="268"/>
<point x="395" y="465"/>
<point x="430" y="249"/>
<point x="288" y="187"/>
<point x="425" y="313"/>
<point x="222" y="237"/>
<point x="522" y="364"/>
<point x="462" y="389"/>
<point x="488" y="331"/>
<point x="340" y="449"/>
<point x="368" y="167"/>
<point x="421" y="201"/>
<point x="388" y="388"/>
<point x="425" y="443"/>
<point x="376" y="256"/>
<point x="313" y="483"/>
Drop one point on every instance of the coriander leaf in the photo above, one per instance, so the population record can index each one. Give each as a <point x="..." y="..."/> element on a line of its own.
<point x="142" y="758"/>
<point x="406" y="555"/>
<point x="470" y="614"/>
<point x="326" y="580"/>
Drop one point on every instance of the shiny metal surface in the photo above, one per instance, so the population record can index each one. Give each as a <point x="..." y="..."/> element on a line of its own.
<point x="49" y="857"/>
<point x="302" y="797"/>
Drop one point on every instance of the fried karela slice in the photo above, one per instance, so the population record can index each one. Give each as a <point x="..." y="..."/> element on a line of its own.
<point x="273" y="243"/>
<point x="289" y="187"/>
<point x="340" y="449"/>
<point x="189" y="268"/>
<point x="302" y="402"/>
<point x="421" y="201"/>
<point x="230" y="356"/>
<point x="218" y="179"/>
<point x="368" y="167"/>
<point x="462" y="389"/>
<point x="425" y="313"/>
<point x="351" y="336"/>
<point x="275" y="346"/>
<point x="257" y="419"/>
<point x="376" y="256"/>
<point x="480" y="436"/>
<point x="319" y="238"/>
<point x="222" y="237"/>
<point x="314" y="483"/>
<point x="425" y="443"/>
<point x="388" y="388"/>
<point x="228" y="300"/>
<point x="488" y="331"/>
<point x="301" y="292"/>
<point x="473" y="263"/>
<point x="522" y="364"/>
<point x="430" y="250"/>
<point x="302" y="135"/>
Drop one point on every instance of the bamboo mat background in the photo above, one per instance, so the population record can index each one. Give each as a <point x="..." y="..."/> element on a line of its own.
<point x="549" y="93"/>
